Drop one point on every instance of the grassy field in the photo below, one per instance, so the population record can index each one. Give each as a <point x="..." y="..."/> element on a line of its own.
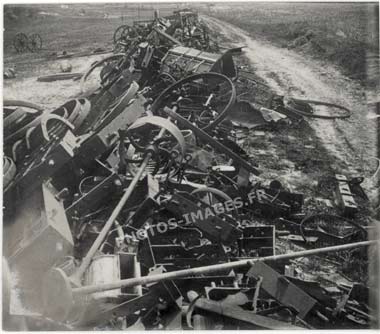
<point x="70" y="28"/>
<point x="343" y="33"/>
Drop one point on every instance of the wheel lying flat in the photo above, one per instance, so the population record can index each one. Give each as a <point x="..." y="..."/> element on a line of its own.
<point x="304" y="108"/>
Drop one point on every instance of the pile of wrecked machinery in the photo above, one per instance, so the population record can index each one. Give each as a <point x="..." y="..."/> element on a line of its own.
<point x="133" y="206"/>
<point x="184" y="26"/>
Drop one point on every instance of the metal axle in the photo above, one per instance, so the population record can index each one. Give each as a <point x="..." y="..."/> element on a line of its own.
<point x="58" y="295"/>
<point x="77" y="276"/>
<point x="213" y="268"/>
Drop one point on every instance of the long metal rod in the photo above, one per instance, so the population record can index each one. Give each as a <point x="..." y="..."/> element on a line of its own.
<point x="211" y="141"/>
<point x="213" y="268"/>
<point x="76" y="277"/>
<point x="170" y="38"/>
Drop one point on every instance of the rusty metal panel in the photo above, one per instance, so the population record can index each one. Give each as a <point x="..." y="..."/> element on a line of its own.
<point x="38" y="239"/>
<point x="42" y="226"/>
<point x="280" y="288"/>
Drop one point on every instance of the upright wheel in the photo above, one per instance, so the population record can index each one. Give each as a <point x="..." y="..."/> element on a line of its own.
<point x="104" y="67"/>
<point x="118" y="33"/>
<point x="34" y="43"/>
<point x="20" y="42"/>
<point x="159" y="137"/>
<point x="124" y="34"/>
<point x="203" y="98"/>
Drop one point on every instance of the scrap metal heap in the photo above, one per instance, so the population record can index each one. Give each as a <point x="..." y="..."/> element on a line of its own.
<point x="134" y="207"/>
<point x="183" y="26"/>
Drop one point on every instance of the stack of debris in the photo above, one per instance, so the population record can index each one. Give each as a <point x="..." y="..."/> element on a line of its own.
<point x="134" y="207"/>
<point x="184" y="27"/>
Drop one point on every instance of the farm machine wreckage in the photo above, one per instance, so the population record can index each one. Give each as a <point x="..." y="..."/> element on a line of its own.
<point x="96" y="191"/>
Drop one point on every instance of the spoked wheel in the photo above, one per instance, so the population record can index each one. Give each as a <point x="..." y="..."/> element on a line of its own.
<point x="118" y="33"/>
<point x="331" y="230"/>
<point x="34" y="43"/>
<point x="163" y="81"/>
<point x="20" y="42"/>
<point x="103" y="69"/>
<point x="324" y="110"/>
<point x="204" y="98"/>
<point x="159" y="137"/>
<point x="124" y="34"/>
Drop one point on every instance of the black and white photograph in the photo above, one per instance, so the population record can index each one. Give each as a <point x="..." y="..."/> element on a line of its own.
<point x="190" y="166"/>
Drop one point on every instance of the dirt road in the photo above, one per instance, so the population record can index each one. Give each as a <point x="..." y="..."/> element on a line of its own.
<point x="288" y="73"/>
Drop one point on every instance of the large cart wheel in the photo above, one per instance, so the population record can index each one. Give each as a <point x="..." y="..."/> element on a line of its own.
<point x="118" y="33"/>
<point x="34" y="43"/>
<point x="108" y="62"/>
<point x="203" y="98"/>
<point x="168" y="151"/>
<point x="124" y="33"/>
<point x="20" y="42"/>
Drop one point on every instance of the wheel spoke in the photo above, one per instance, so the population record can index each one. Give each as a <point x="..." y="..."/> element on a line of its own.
<point x="211" y="89"/>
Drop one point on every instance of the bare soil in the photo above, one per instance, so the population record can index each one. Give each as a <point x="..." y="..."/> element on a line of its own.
<point x="352" y="142"/>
